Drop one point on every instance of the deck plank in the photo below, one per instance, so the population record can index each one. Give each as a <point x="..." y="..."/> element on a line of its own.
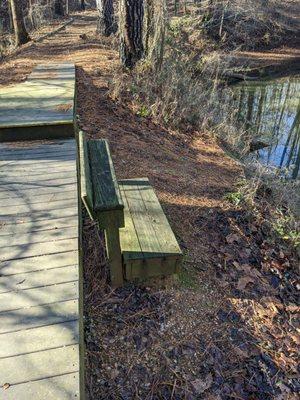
<point x="39" y="225"/>
<point x="39" y="270"/>
<point x="58" y="387"/>
<point x="38" y="296"/>
<point x="38" y="237"/>
<point x="32" y="340"/>
<point x="30" y="264"/>
<point x="39" y="102"/>
<point x="45" y="315"/>
<point x="39" y="365"/>
<point x="34" y="279"/>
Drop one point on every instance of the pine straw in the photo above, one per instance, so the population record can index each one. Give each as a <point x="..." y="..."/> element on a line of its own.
<point x="198" y="338"/>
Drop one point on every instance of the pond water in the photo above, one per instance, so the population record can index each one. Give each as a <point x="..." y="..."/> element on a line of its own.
<point x="270" y="111"/>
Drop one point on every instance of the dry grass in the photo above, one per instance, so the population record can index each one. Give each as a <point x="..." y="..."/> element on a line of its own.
<point x="195" y="339"/>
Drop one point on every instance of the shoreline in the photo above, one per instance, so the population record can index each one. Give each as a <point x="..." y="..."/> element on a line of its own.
<point x="255" y="65"/>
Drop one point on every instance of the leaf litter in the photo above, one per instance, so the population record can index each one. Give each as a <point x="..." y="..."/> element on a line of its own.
<point x="229" y="327"/>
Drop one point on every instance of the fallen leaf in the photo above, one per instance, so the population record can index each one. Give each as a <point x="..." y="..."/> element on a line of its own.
<point x="6" y="386"/>
<point x="244" y="281"/>
<point x="241" y="353"/>
<point x="201" y="385"/>
<point x="233" y="237"/>
<point x="296" y="338"/>
<point x="64" y="107"/>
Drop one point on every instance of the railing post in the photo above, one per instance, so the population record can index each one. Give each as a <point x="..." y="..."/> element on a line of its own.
<point x="111" y="221"/>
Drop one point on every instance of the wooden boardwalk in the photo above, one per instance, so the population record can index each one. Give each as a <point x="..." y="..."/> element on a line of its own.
<point x="45" y="100"/>
<point x="39" y="289"/>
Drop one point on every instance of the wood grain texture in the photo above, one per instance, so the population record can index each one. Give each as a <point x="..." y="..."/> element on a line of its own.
<point x="39" y="271"/>
<point x="148" y="244"/>
<point x="85" y="175"/>
<point x="40" y="101"/>
<point x="106" y="193"/>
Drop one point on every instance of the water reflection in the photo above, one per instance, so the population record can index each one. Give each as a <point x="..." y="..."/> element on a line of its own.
<point x="270" y="111"/>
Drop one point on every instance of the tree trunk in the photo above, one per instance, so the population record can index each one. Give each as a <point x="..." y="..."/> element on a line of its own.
<point x="59" y="8"/>
<point x="155" y="27"/>
<point x="21" y="35"/>
<point x="149" y="24"/>
<point x="106" y="24"/>
<point x="131" y="31"/>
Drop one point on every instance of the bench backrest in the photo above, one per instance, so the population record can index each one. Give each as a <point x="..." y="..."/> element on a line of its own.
<point x="99" y="185"/>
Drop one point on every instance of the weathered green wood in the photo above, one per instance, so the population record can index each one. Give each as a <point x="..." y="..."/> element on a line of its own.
<point x="145" y="245"/>
<point x="85" y="175"/>
<point x="147" y="228"/>
<point x="159" y="221"/>
<point x="142" y="223"/>
<point x="101" y="196"/>
<point x="40" y="107"/>
<point x="104" y="218"/>
<point x="128" y="236"/>
<point x="112" y="240"/>
<point x="151" y="267"/>
<point x="81" y="287"/>
<point x="106" y="193"/>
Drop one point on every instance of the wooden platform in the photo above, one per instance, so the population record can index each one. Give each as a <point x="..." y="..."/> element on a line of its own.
<point x="39" y="287"/>
<point x="45" y="99"/>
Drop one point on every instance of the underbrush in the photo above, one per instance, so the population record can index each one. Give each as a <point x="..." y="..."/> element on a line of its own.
<point x="187" y="91"/>
<point x="246" y="24"/>
<point x="274" y="198"/>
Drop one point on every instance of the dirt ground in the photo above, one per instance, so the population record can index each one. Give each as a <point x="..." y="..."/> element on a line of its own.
<point x="227" y="328"/>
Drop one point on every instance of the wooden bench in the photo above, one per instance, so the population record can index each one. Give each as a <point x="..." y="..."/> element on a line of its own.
<point x="139" y="240"/>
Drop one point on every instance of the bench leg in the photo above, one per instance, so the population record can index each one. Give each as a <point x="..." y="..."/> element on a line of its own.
<point x="114" y="255"/>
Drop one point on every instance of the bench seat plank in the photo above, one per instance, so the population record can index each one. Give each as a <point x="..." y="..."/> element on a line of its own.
<point x="141" y="219"/>
<point x="148" y="244"/>
<point x="129" y="236"/>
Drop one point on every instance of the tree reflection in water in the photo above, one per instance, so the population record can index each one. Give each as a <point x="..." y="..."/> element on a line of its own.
<point x="270" y="111"/>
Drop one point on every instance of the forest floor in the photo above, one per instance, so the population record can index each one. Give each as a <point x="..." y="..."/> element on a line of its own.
<point x="227" y="328"/>
<point x="281" y="59"/>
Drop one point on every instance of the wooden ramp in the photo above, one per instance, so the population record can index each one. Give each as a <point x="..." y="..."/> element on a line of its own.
<point x="39" y="289"/>
<point x="45" y="99"/>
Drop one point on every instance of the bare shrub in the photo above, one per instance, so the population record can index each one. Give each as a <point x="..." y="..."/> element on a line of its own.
<point x="184" y="88"/>
<point x="188" y="91"/>
<point x="248" y="24"/>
